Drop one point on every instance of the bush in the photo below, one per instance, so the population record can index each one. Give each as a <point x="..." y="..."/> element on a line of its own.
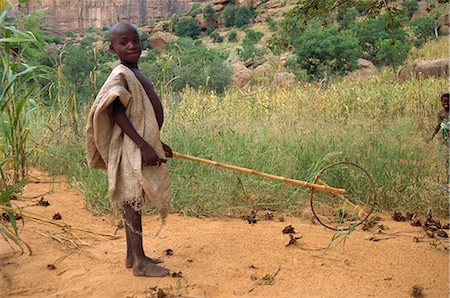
<point x="249" y="51"/>
<point x="392" y="52"/>
<point x="272" y="24"/>
<point x="410" y="7"/>
<point x="189" y="64"/>
<point x="216" y="37"/>
<point x="195" y="9"/>
<point x="373" y="31"/>
<point x="210" y="15"/>
<point x="187" y="28"/>
<point x="232" y="36"/>
<point x="252" y="36"/>
<point x="330" y="52"/>
<point x="210" y="29"/>
<point x="423" y="29"/>
<point x="237" y="16"/>
<point x="347" y="19"/>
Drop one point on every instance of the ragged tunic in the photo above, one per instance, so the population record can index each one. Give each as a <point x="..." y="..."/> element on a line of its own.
<point x="107" y="147"/>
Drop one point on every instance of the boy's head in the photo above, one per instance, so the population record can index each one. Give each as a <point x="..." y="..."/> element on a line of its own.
<point x="445" y="101"/>
<point x="125" y="43"/>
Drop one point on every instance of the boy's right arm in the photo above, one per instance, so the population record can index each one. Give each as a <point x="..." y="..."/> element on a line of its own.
<point x="148" y="153"/>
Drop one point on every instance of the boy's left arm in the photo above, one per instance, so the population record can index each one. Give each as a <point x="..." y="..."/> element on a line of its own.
<point x="167" y="150"/>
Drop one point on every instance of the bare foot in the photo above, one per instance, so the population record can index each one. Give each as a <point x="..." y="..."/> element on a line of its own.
<point x="129" y="261"/>
<point x="146" y="268"/>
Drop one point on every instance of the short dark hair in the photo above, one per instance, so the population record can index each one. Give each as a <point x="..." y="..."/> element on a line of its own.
<point x="117" y="27"/>
<point x="445" y="95"/>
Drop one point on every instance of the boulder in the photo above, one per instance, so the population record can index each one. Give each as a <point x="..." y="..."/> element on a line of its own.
<point x="421" y="11"/>
<point x="443" y="22"/>
<point x="262" y="69"/>
<point x="366" y="68"/>
<point x="241" y="75"/>
<point x="283" y="79"/>
<point x="425" y="69"/>
<point x="160" y="39"/>
<point x="201" y="21"/>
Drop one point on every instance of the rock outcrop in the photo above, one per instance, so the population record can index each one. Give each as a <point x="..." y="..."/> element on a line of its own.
<point x="84" y="14"/>
<point x="425" y="69"/>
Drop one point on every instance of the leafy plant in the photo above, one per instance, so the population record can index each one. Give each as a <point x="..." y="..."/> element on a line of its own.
<point x="210" y="15"/>
<point x="327" y="53"/>
<point x="371" y="32"/>
<point x="238" y="16"/>
<point x="410" y="7"/>
<point x="232" y="36"/>
<point x="216" y="37"/>
<point x="392" y="52"/>
<point x="423" y="29"/>
<point x="187" y="28"/>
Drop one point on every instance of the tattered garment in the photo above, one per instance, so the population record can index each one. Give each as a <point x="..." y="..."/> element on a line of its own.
<point x="108" y="147"/>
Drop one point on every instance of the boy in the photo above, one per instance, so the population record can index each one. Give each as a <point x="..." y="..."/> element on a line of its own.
<point x="442" y="116"/>
<point x="123" y="137"/>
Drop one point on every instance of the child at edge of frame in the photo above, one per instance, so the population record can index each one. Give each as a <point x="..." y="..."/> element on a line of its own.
<point x="123" y="138"/>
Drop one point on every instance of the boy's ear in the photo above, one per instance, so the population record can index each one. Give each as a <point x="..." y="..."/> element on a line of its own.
<point x="111" y="48"/>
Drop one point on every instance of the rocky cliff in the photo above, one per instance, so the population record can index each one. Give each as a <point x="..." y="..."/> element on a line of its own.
<point x="84" y="14"/>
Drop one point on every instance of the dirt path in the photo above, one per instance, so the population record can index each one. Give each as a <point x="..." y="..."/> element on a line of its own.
<point x="217" y="258"/>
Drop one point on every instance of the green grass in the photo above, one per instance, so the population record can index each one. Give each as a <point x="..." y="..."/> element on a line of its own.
<point x="379" y="123"/>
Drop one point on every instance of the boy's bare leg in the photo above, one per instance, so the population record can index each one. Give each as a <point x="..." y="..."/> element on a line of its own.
<point x="141" y="264"/>
<point x="129" y="258"/>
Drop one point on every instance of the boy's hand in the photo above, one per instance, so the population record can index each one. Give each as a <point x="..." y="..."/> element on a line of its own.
<point x="167" y="150"/>
<point x="149" y="156"/>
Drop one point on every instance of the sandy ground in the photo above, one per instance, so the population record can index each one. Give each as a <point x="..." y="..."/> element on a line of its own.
<point x="216" y="258"/>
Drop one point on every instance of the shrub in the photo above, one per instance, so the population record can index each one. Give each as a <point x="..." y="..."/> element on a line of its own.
<point x="249" y="51"/>
<point x="237" y="16"/>
<point x="189" y="64"/>
<point x="392" y="52"/>
<point x="371" y="32"/>
<point x="187" y="28"/>
<point x="330" y="51"/>
<point x="423" y="29"/>
<point x="410" y="7"/>
<point x="272" y="24"/>
<point x="195" y="9"/>
<point x="232" y="36"/>
<point x="252" y="36"/>
<point x="347" y="19"/>
<point x="210" y="15"/>
<point x="216" y="37"/>
<point x="210" y="29"/>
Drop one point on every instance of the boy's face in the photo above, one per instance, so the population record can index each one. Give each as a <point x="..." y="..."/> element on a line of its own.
<point x="126" y="44"/>
<point x="445" y="102"/>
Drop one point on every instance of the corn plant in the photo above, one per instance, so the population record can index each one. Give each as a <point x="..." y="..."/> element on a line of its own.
<point x="18" y="94"/>
<point x="19" y="90"/>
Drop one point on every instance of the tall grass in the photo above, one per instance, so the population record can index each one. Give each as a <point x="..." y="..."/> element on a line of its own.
<point x="378" y="123"/>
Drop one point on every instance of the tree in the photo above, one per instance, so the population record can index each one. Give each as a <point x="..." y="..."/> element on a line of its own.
<point x="327" y="52"/>
<point x="410" y="7"/>
<point x="210" y="15"/>
<point x="423" y="29"/>
<point x="187" y="28"/>
<point x="237" y="16"/>
<point x="372" y="31"/>
<point x="392" y="52"/>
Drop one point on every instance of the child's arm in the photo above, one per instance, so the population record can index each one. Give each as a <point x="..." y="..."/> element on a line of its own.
<point x="436" y="130"/>
<point x="148" y="153"/>
<point x="438" y="125"/>
<point x="167" y="150"/>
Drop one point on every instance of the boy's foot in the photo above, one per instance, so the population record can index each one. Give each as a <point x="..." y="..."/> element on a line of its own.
<point x="129" y="261"/>
<point x="146" y="268"/>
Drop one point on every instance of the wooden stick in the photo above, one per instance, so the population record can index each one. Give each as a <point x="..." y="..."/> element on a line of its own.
<point x="321" y="188"/>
